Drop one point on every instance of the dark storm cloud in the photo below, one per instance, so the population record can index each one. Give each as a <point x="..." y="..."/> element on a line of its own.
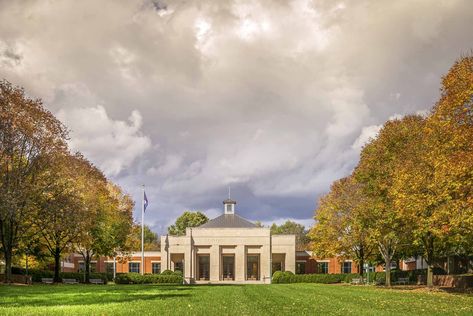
<point x="272" y="98"/>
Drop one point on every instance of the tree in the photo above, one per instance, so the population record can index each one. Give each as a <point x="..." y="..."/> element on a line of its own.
<point x="150" y="238"/>
<point x="342" y="221"/>
<point x="29" y="137"/>
<point x="290" y="227"/>
<point x="259" y="224"/>
<point x="63" y="215"/>
<point x="378" y="166"/>
<point x="187" y="219"/>
<point x="109" y="222"/>
<point x="434" y="184"/>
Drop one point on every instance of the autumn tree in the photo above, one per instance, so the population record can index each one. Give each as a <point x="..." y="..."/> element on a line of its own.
<point x="379" y="163"/>
<point x="187" y="219"/>
<point x="109" y="221"/>
<point x="434" y="185"/>
<point x="63" y="215"/>
<point x="151" y="239"/>
<point x="29" y="137"/>
<point x="290" y="227"/>
<point x="342" y="221"/>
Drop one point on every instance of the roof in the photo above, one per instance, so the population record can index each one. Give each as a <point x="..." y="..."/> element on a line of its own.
<point x="229" y="201"/>
<point x="228" y="221"/>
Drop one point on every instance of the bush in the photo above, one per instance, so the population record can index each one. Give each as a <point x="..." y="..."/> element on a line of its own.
<point x="167" y="272"/>
<point x="177" y="272"/>
<point x="289" y="277"/>
<point x="136" y="278"/>
<point x="37" y="275"/>
<point x="277" y="276"/>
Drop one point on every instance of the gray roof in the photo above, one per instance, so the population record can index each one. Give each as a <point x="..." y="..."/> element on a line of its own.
<point x="228" y="221"/>
<point x="229" y="201"/>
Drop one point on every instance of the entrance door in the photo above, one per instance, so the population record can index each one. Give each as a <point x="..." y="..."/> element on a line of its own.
<point x="203" y="267"/>
<point x="228" y="267"/>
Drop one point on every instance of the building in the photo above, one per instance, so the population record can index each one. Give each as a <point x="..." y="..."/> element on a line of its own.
<point x="228" y="248"/>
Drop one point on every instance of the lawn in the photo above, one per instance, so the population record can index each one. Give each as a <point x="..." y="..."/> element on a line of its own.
<point x="276" y="299"/>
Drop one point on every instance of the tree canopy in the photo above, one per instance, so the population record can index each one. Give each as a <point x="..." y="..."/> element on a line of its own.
<point x="187" y="219"/>
<point x="291" y="227"/>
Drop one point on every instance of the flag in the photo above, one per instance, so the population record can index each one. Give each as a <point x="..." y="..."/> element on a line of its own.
<point x="145" y="201"/>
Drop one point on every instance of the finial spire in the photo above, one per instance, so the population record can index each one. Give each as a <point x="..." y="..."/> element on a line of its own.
<point x="229" y="192"/>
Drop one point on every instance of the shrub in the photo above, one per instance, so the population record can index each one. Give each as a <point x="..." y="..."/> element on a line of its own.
<point x="177" y="272"/>
<point x="167" y="272"/>
<point x="289" y="277"/>
<point x="277" y="276"/>
<point x="136" y="278"/>
<point x="37" y="275"/>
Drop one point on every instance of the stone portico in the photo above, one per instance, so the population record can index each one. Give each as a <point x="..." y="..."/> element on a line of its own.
<point x="229" y="249"/>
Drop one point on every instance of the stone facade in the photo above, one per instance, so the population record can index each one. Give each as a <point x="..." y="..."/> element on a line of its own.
<point x="228" y="254"/>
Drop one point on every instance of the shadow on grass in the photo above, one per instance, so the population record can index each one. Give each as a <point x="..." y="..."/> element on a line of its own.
<point x="59" y="295"/>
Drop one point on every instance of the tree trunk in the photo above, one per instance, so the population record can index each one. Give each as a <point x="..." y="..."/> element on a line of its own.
<point x="387" y="267"/>
<point x="7" y="243"/>
<point x="430" y="276"/>
<point x="8" y="261"/>
<point x="87" y="267"/>
<point x="361" y="263"/>
<point x="360" y="267"/>
<point x="57" y="264"/>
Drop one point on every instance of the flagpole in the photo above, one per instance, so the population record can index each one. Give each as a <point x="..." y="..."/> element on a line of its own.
<point x="143" y="231"/>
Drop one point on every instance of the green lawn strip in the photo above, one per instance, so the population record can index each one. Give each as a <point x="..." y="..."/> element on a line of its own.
<point x="277" y="299"/>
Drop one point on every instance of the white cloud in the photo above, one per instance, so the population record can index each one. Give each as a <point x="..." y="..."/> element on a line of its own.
<point x="111" y="144"/>
<point x="275" y="98"/>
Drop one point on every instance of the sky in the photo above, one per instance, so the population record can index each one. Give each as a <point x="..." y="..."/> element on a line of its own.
<point x="274" y="99"/>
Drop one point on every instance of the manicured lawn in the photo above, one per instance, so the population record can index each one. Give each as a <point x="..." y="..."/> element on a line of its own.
<point x="276" y="299"/>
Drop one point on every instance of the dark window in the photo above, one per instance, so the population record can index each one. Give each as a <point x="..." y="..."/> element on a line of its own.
<point x="228" y="267"/>
<point x="179" y="266"/>
<point x="156" y="267"/>
<point x="81" y="266"/>
<point x="252" y="267"/>
<point x="134" y="267"/>
<point x="229" y="208"/>
<point x="277" y="266"/>
<point x="323" y="267"/>
<point x="300" y="267"/>
<point x="346" y="267"/>
<point x="203" y="267"/>
<point x="109" y="267"/>
<point x="93" y="267"/>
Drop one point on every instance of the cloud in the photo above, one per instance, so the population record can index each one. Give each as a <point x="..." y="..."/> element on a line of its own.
<point x="274" y="98"/>
<point x="112" y="144"/>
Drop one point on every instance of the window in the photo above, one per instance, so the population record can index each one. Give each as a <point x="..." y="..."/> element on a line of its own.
<point x="252" y="265"/>
<point x="346" y="267"/>
<point x="93" y="266"/>
<point x="277" y="266"/>
<point x="229" y="208"/>
<point x="134" y="267"/>
<point x="323" y="267"/>
<point x="228" y="267"/>
<point x="156" y="267"/>
<point x="109" y="267"/>
<point x="203" y="267"/>
<point x="300" y="267"/>
<point x="179" y="266"/>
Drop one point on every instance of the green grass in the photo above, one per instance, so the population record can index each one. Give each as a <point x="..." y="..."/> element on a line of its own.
<point x="276" y="299"/>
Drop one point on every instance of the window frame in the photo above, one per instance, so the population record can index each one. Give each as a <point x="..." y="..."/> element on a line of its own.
<point x="134" y="263"/>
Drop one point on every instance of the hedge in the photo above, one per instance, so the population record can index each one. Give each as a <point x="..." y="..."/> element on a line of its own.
<point x="37" y="275"/>
<point x="379" y="277"/>
<point x="136" y="278"/>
